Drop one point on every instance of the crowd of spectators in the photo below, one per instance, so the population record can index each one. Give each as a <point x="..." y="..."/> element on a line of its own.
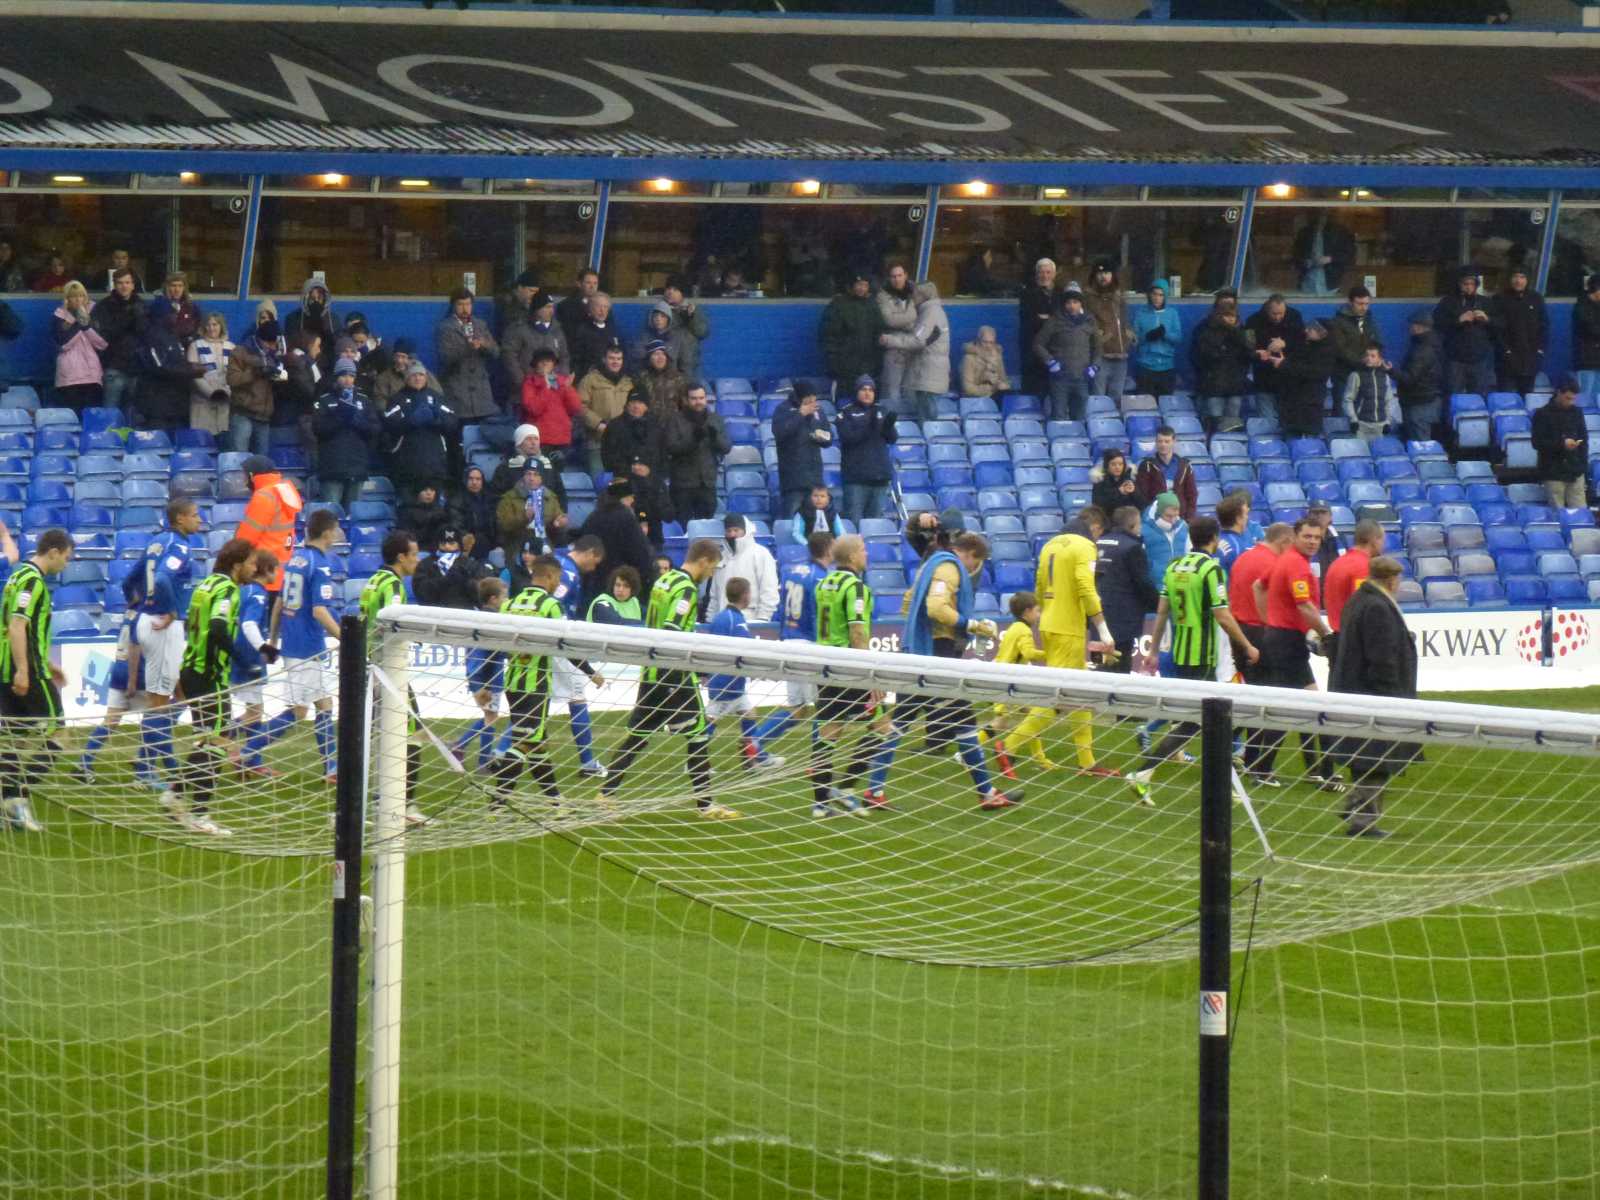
<point x="555" y="384"/>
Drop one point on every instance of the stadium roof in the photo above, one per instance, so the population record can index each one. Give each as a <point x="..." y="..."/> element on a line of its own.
<point x="446" y="87"/>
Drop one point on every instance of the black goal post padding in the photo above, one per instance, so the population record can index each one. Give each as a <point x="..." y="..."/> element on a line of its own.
<point x="1216" y="936"/>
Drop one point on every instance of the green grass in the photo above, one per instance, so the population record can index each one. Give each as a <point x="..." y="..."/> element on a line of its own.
<point x="934" y="1003"/>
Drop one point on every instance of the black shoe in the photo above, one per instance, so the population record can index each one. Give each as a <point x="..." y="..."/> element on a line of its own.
<point x="1369" y="831"/>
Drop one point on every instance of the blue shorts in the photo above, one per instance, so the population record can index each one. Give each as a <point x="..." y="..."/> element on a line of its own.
<point x="118" y="682"/>
<point x="486" y="671"/>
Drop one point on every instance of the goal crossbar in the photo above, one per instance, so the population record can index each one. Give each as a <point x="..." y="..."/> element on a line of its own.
<point x="1328" y="713"/>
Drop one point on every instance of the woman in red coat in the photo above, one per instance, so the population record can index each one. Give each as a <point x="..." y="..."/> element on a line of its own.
<point x="549" y="401"/>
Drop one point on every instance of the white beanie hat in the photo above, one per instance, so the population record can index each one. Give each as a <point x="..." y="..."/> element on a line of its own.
<point x="524" y="431"/>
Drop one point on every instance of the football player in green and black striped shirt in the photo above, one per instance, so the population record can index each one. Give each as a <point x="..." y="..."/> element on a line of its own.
<point x="210" y="627"/>
<point x="386" y="586"/>
<point x="527" y="683"/>
<point x="670" y="699"/>
<point x="1195" y="600"/>
<point x="30" y="686"/>
<point x="844" y="619"/>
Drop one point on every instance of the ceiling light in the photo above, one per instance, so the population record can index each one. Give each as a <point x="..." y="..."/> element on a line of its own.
<point x="1362" y="194"/>
<point x="976" y="188"/>
<point x="66" y="178"/>
<point x="1055" y="193"/>
<point x="416" y="183"/>
<point x="187" y="177"/>
<point x="808" y="187"/>
<point x="333" y="179"/>
<point x="662" y="185"/>
<point x="1279" y="191"/>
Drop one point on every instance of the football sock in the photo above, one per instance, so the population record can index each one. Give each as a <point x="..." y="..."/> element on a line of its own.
<point x="97" y="738"/>
<point x="582" y="732"/>
<point x="626" y="753"/>
<point x="698" y="756"/>
<point x="485" y="740"/>
<point x="775" y="726"/>
<point x="884" y="760"/>
<point x="972" y="755"/>
<point x="465" y="740"/>
<point x="322" y="727"/>
<point x="821" y="773"/>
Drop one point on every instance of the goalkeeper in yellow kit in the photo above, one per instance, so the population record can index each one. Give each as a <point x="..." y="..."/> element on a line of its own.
<point x="1068" y="604"/>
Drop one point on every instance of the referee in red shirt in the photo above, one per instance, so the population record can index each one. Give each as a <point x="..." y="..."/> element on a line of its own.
<point x="1292" y="612"/>
<point x="1348" y="572"/>
<point x="1246" y="581"/>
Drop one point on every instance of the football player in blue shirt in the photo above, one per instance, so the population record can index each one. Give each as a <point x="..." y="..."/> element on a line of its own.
<point x="159" y="592"/>
<point x="1239" y="532"/>
<point x="797" y="618"/>
<point x="310" y="616"/>
<point x="567" y="683"/>
<point x="486" y="680"/>
<point x="247" y="672"/>
<point x="727" y="693"/>
<point x="126" y="681"/>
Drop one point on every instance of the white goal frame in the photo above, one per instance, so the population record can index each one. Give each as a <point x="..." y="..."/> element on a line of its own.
<point x="399" y="627"/>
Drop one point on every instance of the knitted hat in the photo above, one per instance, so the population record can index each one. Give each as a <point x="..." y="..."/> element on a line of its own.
<point x="734" y="521"/>
<point x="1072" y="292"/>
<point x="1167" y="500"/>
<point x="417" y="367"/>
<point x="345" y="366"/>
<point x="529" y="278"/>
<point x="1157" y="285"/>
<point x="258" y="464"/>
<point x="524" y="431"/>
<point x="541" y="299"/>
<point x="655" y="344"/>
<point x="865" y="381"/>
<point x="619" y="487"/>
<point x="267" y="331"/>
<point x="405" y="345"/>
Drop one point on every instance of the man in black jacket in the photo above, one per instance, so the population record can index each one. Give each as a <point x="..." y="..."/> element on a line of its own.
<point x="422" y="432"/>
<point x="1375" y="657"/>
<point x="849" y="333"/>
<point x="1561" y="437"/>
<point x="632" y="451"/>
<point x="120" y="320"/>
<point x="1274" y="331"/>
<point x="448" y="578"/>
<point x="1040" y="301"/>
<point x="1586" y="336"/>
<point x="1419" y="377"/>
<point x="1303" y="383"/>
<point x="615" y="522"/>
<point x="344" y="422"/>
<point x="1522" y="328"/>
<point x="1462" y="322"/>
<point x="1122" y="577"/>
<point x="696" y="444"/>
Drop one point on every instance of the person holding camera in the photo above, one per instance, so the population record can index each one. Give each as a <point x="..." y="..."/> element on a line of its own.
<point x="421" y="428"/>
<point x="466" y="348"/>
<point x="800" y="431"/>
<point x="254" y="366"/>
<point x="696" y="444"/>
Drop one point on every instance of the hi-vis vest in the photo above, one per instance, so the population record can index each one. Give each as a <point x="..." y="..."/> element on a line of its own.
<point x="269" y="521"/>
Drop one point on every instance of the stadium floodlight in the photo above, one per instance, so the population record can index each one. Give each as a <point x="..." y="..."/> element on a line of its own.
<point x="617" y="998"/>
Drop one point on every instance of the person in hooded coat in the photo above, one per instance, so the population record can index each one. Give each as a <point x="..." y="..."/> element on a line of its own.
<point x="315" y="315"/>
<point x="926" y="347"/>
<point x="1105" y="302"/>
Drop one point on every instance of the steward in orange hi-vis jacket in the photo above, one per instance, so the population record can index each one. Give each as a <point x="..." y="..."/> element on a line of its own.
<point x="269" y="518"/>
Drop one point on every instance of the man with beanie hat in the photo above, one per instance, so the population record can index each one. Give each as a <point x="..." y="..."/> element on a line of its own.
<point x="1463" y="324"/>
<point x="1069" y="347"/>
<point x="269" y="517"/>
<point x="800" y="431"/>
<point x="744" y="558"/>
<point x="1521" y="332"/>
<point x="1157" y="331"/>
<point x="848" y="334"/>
<point x="344" y="422"/>
<point x="1419" y="377"/>
<point x="866" y="430"/>
<point x="254" y="366"/>
<point x="421" y="428"/>
<point x="661" y="382"/>
<point x="1105" y="302"/>
<point x="689" y="325"/>
<point x="1586" y="337"/>
<point x="525" y="449"/>
<point x="392" y="377"/>
<point x="633" y="449"/>
<point x="534" y="330"/>
<point x="516" y="306"/>
<point x="657" y="328"/>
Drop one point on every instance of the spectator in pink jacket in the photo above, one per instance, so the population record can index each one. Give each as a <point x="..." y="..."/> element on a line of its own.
<point x="549" y="401"/>
<point x="78" y="346"/>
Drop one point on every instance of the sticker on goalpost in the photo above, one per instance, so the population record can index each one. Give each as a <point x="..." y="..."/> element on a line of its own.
<point x="338" y="879"/>
<point x="1214" y="1014"/>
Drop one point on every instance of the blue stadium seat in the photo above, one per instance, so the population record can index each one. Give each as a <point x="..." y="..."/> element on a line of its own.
<point x="997" y="499"/>
<point x="131" y="543"/>
<point x="143" y="465"/>
<point x="1395" y="467"/>
<point x="1557" y="562"/>
<point x="990" y="452"/>
<point x="1505" y="402"/>
<point x="1325" y="490"/>
<point x="982" y="429"/>
<point x="139" y="517"/>
<point x="1492" y="512"/>
<point x="1038" y="476"/>
<point x="951" y="474"/>
<point x="1544" y="536"/>
<point x="1509" y="424"/>
<point x="1017" y="404"/>
<point x="1576" y="518"/>
<point x="193" y="460"/>
<point x="91" y="517"/>
<point x="53" y="466"/>
<point x="964" y="498"/>
<point x="56" y="417"/>
<point x="902" y="452"/>
<point x="37" y="517"/>
<point x="16" y="419"/>
<point x="149" y="441"/>
<point x="49" y="491"/>
<point x="886" y="604"/>
<point x="100" y="419"/>
<point x="1458" y="514"/>
<point x="58" y="439"/>
<point x="1013" y="576"/>
<point x="734" y="406"/>
<point x="84" y="570"/>
<point x="1465" y="537"/>
<point x="1274" y="470"/>
<point x="978" y="406"/>
<point x="1472" y="430"/>
<point x="993" y="474"/>
<point x="1069" y="450"/>
<point x="1432" y="566"/>
<point x="196" y="485"/>
<point x="1185" y="424"/>
<point x="945" y="452"/>
<point x="1347" y="447"/>
<point x="199" y="439"/>
<point x="1471" y="470"/>
<point x="76" y="622"/>
<point x="1030" y="452"/>
<point x="742" y="431"/>
<point x="1566" y="589"/>
<point x="1484" y="591"/>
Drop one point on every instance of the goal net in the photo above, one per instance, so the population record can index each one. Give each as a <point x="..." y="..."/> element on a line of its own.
<point x="708" y="975"/>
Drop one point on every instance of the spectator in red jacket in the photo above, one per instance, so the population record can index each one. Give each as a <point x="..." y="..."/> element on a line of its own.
<point x="549" y="401"/>
<point x="1168" y="471"/>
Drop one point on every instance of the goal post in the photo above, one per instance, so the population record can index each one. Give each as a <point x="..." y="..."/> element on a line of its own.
<point x="775" y="925"/>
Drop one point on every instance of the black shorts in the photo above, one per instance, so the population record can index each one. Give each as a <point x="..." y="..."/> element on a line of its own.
<point x="530" y="712"/>
<point x="1204" y="674"/>
<point x="208" y="701"/>
<point x="842" y="704"/>
<point x="1256" y="635"/>
<point x="671" y="701"/>
<point x="944" y="714"/>
<point x="1285" y="659"/>
<point x="42" y="702"/>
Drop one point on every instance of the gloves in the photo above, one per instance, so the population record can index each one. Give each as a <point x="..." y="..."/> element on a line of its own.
<point x="423" y="416"/>
<point x="1053" y="366"/>
<point x="934" y="336"/>
<point x="1091" y="371"/>
<point x="1158" y="334"/>
<point x="982" y="628"/>
<point x="269" y="653"/>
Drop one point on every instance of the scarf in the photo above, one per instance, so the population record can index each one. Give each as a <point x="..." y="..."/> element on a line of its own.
<point x="918" y="629"/>
<point x="535" y="512"/>
<point x="213" y="356"/>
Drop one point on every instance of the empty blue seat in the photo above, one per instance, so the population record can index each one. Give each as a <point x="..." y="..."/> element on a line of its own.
<point x="196" y="485"/>
<point x="1016" y="404"/>
<point x="743" y="479"/>
<point x="963" y="498"/>
<point x="1507" y="424"/>
<point x="1557" y="562"/>
<point x="44" y="516"/>
<point x="100" y="419"/>
<point x="982" y="429"/>
<point x="997" y="499"/>
<point x="1525" y="590"/>
<point x="1030" y="453"/>
<point x="1307" y="447"/>
<point x="192" y="460"/>
<point x="91" y="517"/>
<point x="993" y="474"/>
<point x="1566" y="589"/>
<point x="1492" y="512"/>
<point x="139" y="517"/>
<point x="1033" y="499"/>
<point x="144" y="465"/>
<point x="951" y="474"/>
<point x="742" y="431"/>
<point x="79" y="596"/>
<point x="1484" y="591"/>
<point x="1393" y="468"/>
<point x="1544" y="536"/>
<point x="53" y="466"/>
<point x="49" y="491"/>
<point x="55" y="417"/>
<point x="1472" y="430"/>
<point x="1576" y="518"/>
<point x="990" y="452"/>
<point x="58" y="439"/>
<point x="149" y="441"/>
<point x="978" y="406"/>
<point x="203" y="439"/>
<point x="1465" y="537"/>
<point x="944" y="452"/>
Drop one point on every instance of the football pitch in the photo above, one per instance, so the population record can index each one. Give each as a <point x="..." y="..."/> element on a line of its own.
<point x="931" y="1002"/>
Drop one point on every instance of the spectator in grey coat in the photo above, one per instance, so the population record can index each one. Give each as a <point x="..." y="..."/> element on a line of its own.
<point x="1069" y="346"/>
<point x="689" y="323"/>
<point x="526" y="336"/>
<point x="927" y="348"/>
<point x="898" y="307"/>
<point x="466" y="347"/>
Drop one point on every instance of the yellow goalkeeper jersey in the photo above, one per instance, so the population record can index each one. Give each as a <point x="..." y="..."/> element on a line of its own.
<point x="1017" y="645"/>
<point x="1065" y="585"/>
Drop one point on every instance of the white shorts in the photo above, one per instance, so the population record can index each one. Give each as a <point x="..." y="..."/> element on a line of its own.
<point x="162" y="651"/>
<point x="739" y="705"/>
<point x="802" y="695"/>
<point x="252" y="693"/>
<point x="1225" y="664"/>
<point x="308" y="680"/>
<point x="567" y="683"/>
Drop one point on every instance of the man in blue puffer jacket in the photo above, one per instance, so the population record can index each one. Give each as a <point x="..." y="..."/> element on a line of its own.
<point x="1166" y="537"/>
<point x="1158" y="330"/>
